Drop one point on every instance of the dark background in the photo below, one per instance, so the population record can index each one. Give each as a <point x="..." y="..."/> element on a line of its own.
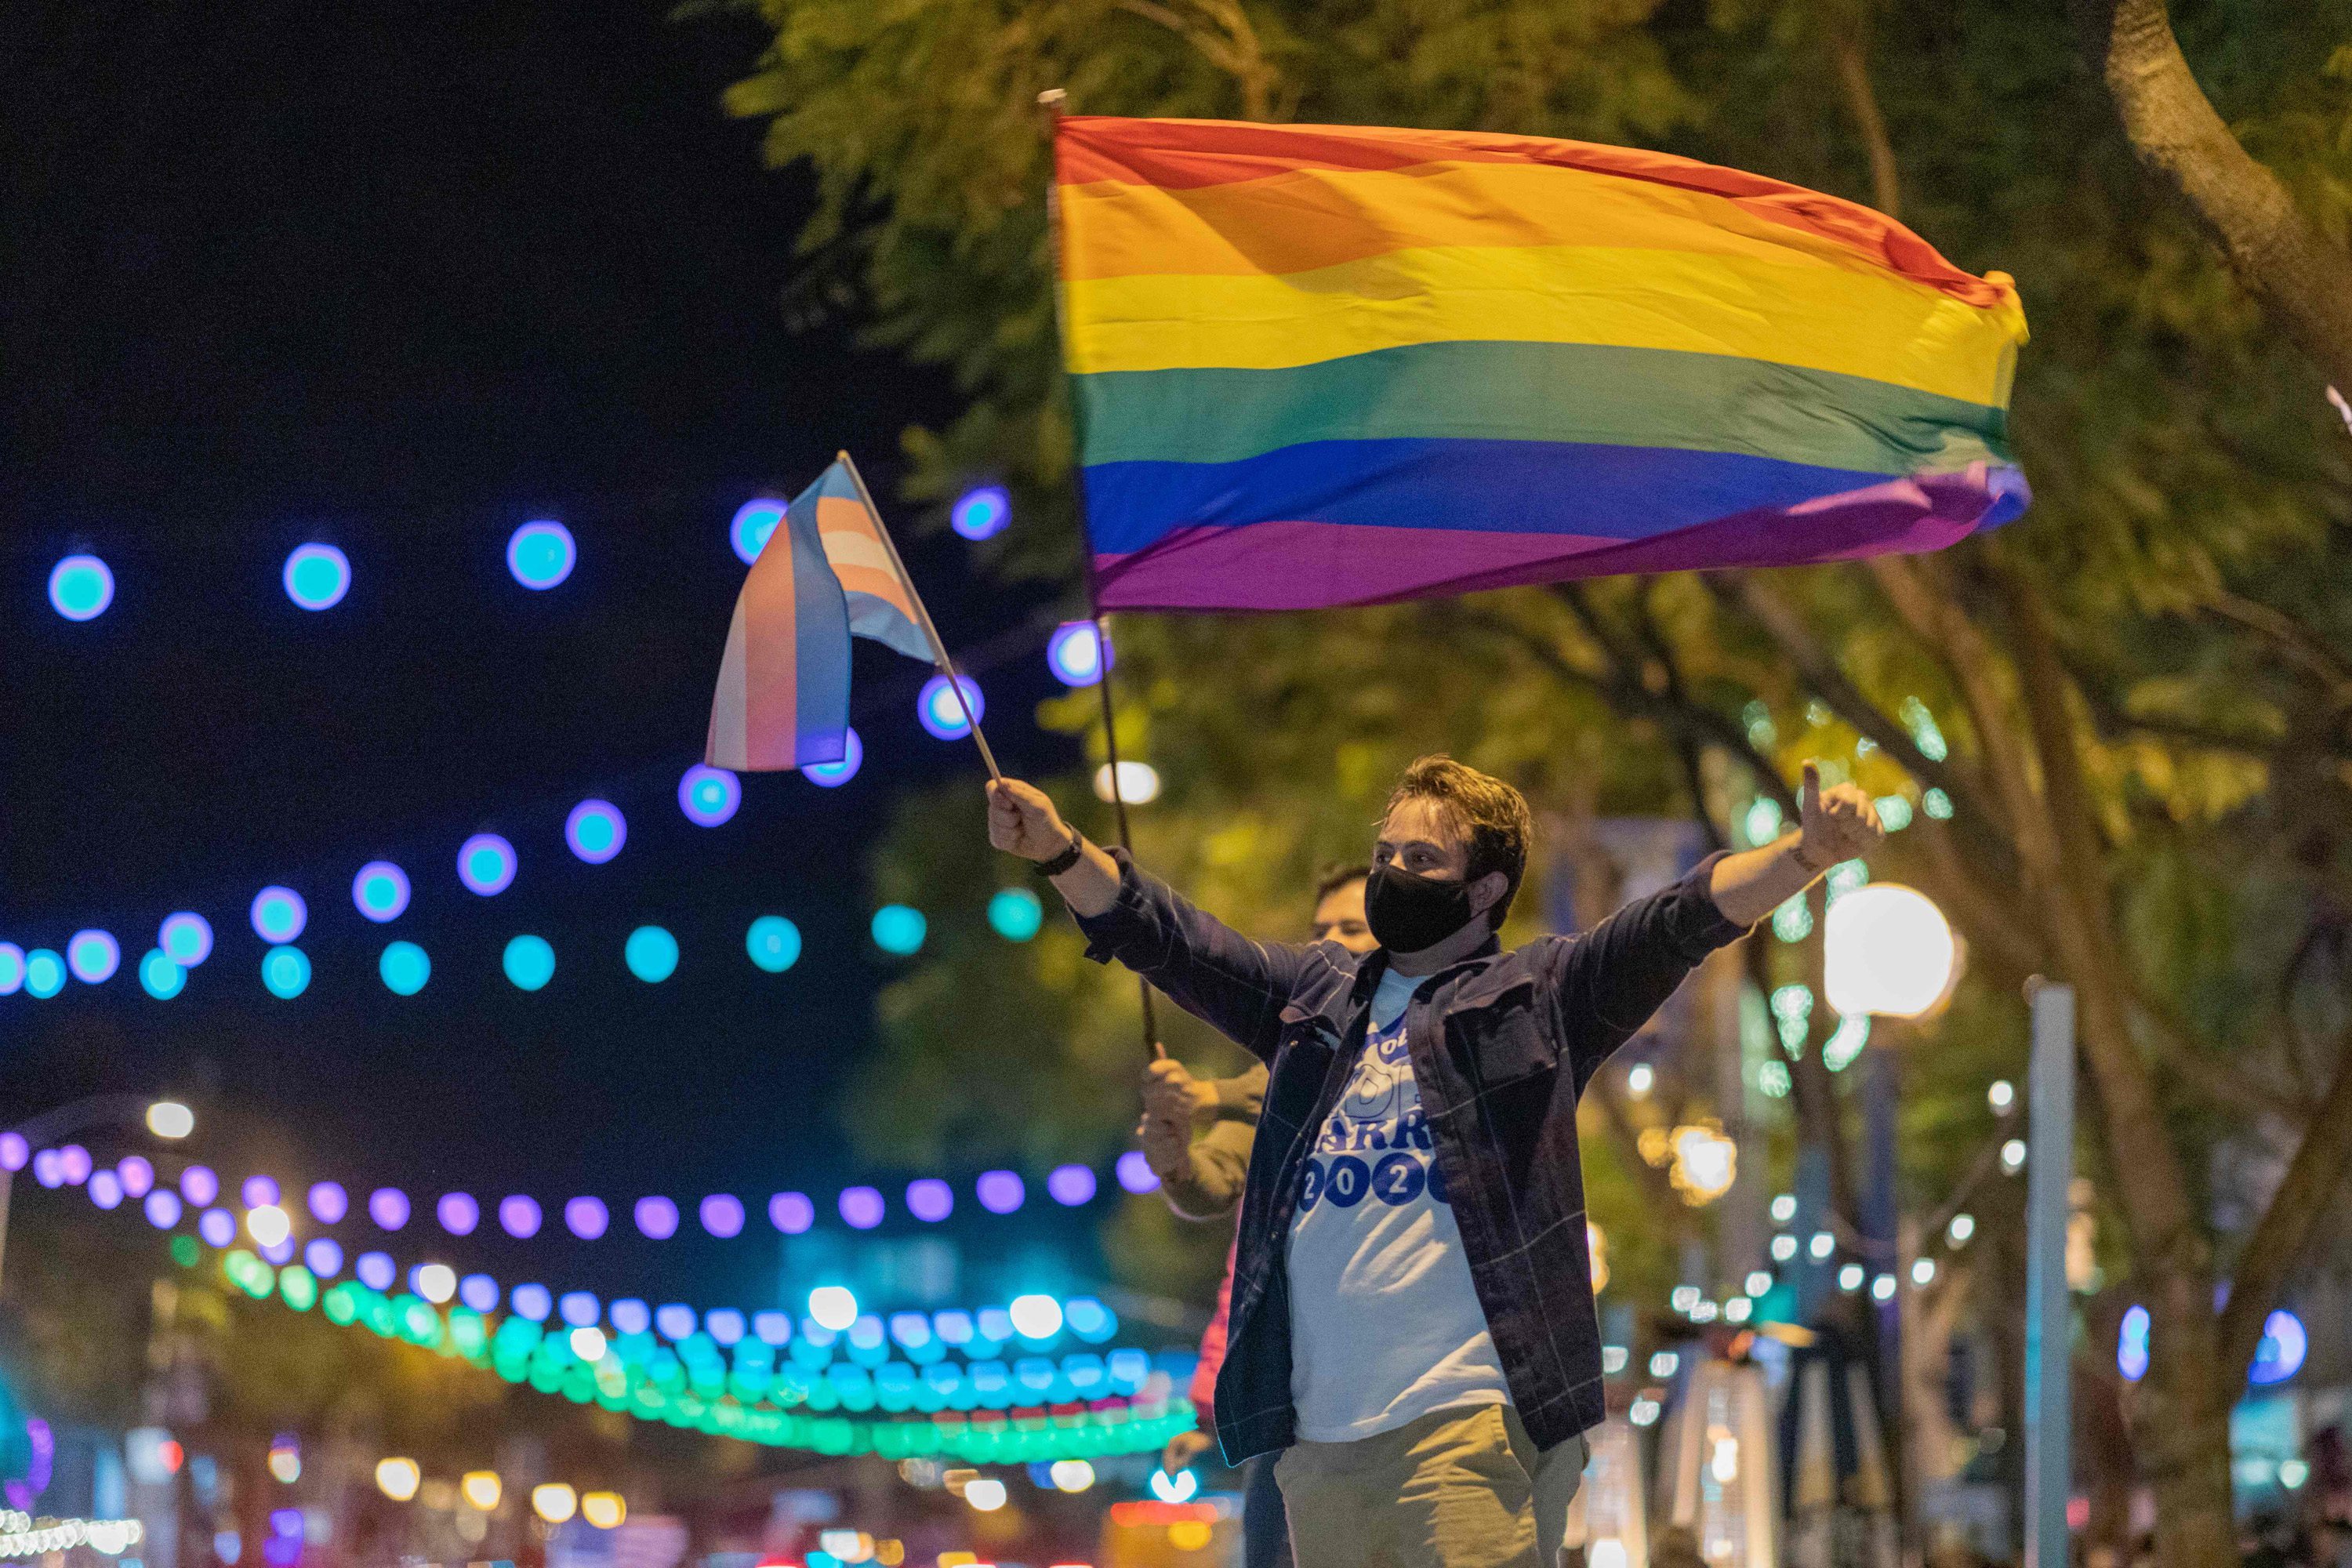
<point x="399" y="278"/>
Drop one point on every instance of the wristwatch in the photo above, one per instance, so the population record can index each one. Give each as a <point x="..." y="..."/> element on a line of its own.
<point x="1067" y="859"/>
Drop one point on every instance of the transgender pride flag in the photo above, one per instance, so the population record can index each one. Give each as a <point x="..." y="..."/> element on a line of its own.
<point x="1322" y="365"/>
<point x="826" y="573"/>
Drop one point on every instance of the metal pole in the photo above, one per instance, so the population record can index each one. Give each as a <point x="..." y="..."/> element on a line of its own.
<point x="2050" y="1158"/>
<point x="1882" y="1097"/>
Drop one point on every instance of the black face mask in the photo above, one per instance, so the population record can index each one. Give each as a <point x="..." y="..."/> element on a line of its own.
<point x="1409" y="913"/>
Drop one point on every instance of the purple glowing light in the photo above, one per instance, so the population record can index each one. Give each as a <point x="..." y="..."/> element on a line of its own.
<point x="518" y="1216"/>
<point x="380" y="891"/>
<point x="74" y="1164"/>
<point x="163" y="1207"/>
<point x="531" y="1303"/>
<point x="375" y="1270"/>
<point x="217" y="1227"/>
<point x="1074" y="653"/>
<point x="328" y="1202"/>
<point x="49" y="1169"/>
<point x="723" y="1215"/>
<point x="791" y="1213"/>
<point x="1135" y="1172"/>
<point x="942" y="715"/>
<point x="676" y="1320"/>
<point x="457" y="1212"/>
<point x="388" y="1207"/>
<point x="999" y="1192"/>
<point x="105" y="1189"/>
<point x="257" y="1190"/>
<point x="595" y="830"/>
<point x="578" y="1308"/>
<point x="1070" y="1185"/>
<point x="586" y="1218"/>
<point x="478" y="1291"/>
<point x="186" y="938"/>
<point x="656" y="1219"/>
<point x="631" y="1316"/>
<point x="280" y="1251"/>
<point x="278" y="915"/>
<point x="199" y="1185"/>
<point x="724" y="1325"/>
<point x="861" y="1207"/>
<point x="486" y="864"/>
<point x="14" y="1151"/>
<point x="930" y="1199"/>
<point x="772" y="1328"/>
<point x="324" y="1257"/>
<point x="137" y="1176"/>
<point x="709" y="795"/>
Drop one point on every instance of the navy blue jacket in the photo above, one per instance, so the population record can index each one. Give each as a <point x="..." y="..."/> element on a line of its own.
<point x="1502" y="1044"/>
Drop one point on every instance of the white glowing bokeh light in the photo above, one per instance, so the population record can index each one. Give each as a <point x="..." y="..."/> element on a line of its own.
<point x="1138" y="783"/>
<point x="588" y="1343"/>
<point x="554" y="1502"/>
<point x="268" y="1225"/>
<point x="1887" y="950"/>
<point x="986" y="1494"/>
<point x="1072" y="1475"/>
<point x="397" y="1478"/>
<point x="481" y="1488"/>
<point x="1036" y="1317"/>
<point x="170" y="1118"/>
<point x="437" y="1282"/>
<point x="832" y="1306"/>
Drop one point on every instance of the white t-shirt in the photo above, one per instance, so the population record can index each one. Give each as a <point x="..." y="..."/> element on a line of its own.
<point x="1384" y="1325"/>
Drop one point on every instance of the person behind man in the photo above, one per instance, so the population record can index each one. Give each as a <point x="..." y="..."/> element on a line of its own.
<point x="1201" y="1178"/>
<point x="1413" y="1320"/>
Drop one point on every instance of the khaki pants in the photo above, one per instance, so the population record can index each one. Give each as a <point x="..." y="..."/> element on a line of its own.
<point x="1458" y="1488"/>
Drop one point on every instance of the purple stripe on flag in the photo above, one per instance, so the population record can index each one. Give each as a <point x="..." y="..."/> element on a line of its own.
<point x="1290" y="565"/>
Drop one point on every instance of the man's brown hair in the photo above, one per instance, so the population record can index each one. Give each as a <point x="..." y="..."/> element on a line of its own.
<point x="1492" y="813"/>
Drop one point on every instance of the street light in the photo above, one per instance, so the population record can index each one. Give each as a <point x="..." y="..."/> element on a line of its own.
<point x="397" y="1478"/>
<point x="1888" y="949"/>
<point x="481" y="1488"/>
<point x="170" y="1118"/>
<point x="554" y="1502"/>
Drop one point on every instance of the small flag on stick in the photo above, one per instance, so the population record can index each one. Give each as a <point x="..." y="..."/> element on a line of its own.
<point x="829" y="573"/>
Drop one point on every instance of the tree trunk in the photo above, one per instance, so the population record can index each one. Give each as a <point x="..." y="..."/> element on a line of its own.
<point x="2301" y="279"/>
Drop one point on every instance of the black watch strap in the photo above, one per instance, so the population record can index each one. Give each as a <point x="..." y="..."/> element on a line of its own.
<point x="1067" y="859"/>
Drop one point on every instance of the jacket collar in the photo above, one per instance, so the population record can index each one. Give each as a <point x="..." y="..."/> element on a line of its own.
<point x="1375" y="963"/>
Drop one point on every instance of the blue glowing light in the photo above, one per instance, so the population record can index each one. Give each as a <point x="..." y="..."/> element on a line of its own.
<point x="2131" y="1344"/>
<point x="542" y="554"/>
<point x="861" y="1207"/>
<point x="186" y="938"/>
<point x="1089" y="1318"/>
<point x="93" y="956"/>
<point x="45" y="972"/>
<point x="531" y="1303"/>
<point x="1074" y="653"/>
<point x="656" y="1219"/>
<point x="323" y="1256"/>
<point x="980" y="512"/>
<point x="286" y="971"/>
<point x="930" y="1199"/>
<point x="1135" y="1172"/>
<point x="486" y="864"/>
<point x="217" y="1227"/>
<point x="774" y="943"/>
<point x="630" y="1316"/>
<point x="674" y="1319"/>
<point x="478" y="1291"/>
<point x="528" y="961"/>
<point x="580" y="1309"/>
<point x="595" y="830"/>
<point x="159" y="976"/>
<point x="380" y="891"/>
<point x="941" y="714"/>
<point x="833" y="775"/>
<point x="2279" y="1354"/>
<point x="405" y="968"/>
<point x="1015" y="913"/>
<point x="1070" y="1185"/>
<point x="754" y="521"/>
<point x="12" y="969"/>
<point x="709" y="795"/>
<point x="278" y="914"/>
<point x="999" y="1192"/>
<point x="791" y="1213"/>
<point x="899" y="930"/>
<point x="81" y="587"/>
<point x="163" y="1208"/>
<point x="724" y="1324"/>
<point x="318" y="576"/>
<point x="375" y="1270"/>
<point x="651" y="953"/>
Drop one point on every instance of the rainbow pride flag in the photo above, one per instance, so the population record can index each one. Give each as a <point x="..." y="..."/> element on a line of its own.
<point x="1322" y="365"/>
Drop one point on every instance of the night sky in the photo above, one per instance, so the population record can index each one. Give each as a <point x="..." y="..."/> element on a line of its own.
<point x="398" y="278"/>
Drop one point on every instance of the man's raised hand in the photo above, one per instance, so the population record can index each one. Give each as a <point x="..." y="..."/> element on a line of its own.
<point x="1835" y="824"/>
<point x="1021" y="821"/>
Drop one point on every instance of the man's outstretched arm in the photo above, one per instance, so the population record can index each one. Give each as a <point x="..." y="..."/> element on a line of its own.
<point x="1212" y="972"/>
<point x="1835" y="824"/>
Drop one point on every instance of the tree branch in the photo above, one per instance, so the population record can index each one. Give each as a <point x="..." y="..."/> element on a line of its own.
<point x="2314" y="1178"/>
<point x="2276" y="254"/>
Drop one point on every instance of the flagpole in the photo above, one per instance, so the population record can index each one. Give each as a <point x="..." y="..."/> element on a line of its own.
<point x="922" y="614"/>
<point x="1055" y="103"/>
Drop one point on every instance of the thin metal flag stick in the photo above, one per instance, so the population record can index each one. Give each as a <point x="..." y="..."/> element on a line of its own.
<point x="922" y="614"/>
